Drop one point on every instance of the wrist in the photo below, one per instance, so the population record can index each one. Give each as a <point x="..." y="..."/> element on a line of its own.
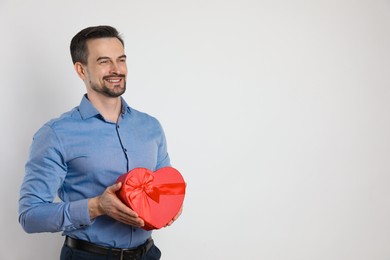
<point x="94" y="208"/>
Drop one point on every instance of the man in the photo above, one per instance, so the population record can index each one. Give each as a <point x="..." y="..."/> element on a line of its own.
<point x="80" y="155"/>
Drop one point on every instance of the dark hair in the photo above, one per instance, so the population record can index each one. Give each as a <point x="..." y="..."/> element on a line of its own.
<point x="78" y="46"/>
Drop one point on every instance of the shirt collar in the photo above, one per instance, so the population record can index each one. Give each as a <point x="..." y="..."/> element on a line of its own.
<point x="87" y="110"/>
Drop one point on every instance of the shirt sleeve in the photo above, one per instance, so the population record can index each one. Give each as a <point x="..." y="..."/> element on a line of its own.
<point x="163" y="159"/>
<point x="45" y="171"/>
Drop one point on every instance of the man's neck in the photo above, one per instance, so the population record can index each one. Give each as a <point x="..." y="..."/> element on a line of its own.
<point x="108" y="107"/>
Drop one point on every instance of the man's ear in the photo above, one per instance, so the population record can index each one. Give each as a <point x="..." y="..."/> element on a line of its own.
<point x="80" y="70"/>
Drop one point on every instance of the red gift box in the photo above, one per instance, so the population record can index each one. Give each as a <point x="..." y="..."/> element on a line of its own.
<point x="156" y="196"/>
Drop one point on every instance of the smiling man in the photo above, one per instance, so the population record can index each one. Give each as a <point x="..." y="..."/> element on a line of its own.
<point x="80" y="155"/>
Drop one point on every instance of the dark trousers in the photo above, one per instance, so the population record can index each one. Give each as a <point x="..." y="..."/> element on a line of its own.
<point x="68" y="253"/>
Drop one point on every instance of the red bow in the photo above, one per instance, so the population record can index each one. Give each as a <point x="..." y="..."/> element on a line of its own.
<point x="140" y="186"/>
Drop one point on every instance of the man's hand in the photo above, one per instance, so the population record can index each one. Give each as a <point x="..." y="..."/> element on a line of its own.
<point x="176" y="217"/>
<point x="109" y="204"/>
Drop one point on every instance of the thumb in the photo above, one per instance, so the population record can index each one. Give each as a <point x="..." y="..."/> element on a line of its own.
<point x="115" y="187"/>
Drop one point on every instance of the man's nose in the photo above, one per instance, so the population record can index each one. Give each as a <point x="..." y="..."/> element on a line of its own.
<point x="115" y="69"/>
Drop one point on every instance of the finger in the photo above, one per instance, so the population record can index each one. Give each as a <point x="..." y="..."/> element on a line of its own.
<point x="115" y="187"/>
<point x="137" y="222"/>
<point x="175" y="217"/>
<point x="178" y="214"/>
<point x="127" y="211"/>
<point x="129" y="214"/>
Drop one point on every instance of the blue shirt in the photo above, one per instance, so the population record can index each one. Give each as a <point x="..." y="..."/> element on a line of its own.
<point x="76" y="157"/>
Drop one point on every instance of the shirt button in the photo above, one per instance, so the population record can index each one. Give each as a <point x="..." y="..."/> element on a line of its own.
<point x="125" y="150"/>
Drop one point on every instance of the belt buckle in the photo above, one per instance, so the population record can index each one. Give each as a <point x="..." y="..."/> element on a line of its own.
<point x="128" y="254"/>
<point x="121" y="255"/>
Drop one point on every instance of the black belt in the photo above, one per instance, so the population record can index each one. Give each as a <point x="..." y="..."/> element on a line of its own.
<point x="115" y="253"/>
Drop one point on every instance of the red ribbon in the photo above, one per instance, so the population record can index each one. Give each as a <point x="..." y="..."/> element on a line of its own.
<point x="139" y="187"/>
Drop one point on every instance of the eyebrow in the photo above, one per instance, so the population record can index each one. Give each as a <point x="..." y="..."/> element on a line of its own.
<point x="108" y="58"/>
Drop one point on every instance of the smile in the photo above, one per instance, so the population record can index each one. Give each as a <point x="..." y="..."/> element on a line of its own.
<point x="114" y="80"/>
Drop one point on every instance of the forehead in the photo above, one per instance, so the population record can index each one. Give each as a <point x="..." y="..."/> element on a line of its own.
<point x="108" y="47"/>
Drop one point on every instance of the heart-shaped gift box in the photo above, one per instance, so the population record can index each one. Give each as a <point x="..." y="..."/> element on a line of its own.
<point x="155" y="196"/>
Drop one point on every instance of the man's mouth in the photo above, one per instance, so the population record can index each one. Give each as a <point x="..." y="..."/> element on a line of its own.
<point x="114" y="79"/>
<point x="111" y="80"/>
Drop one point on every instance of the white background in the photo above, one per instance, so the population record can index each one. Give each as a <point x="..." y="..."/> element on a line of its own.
<point x="276" y="112"/>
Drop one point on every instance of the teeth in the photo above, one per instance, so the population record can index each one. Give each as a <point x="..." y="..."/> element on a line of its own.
<point x="113" y="80"/>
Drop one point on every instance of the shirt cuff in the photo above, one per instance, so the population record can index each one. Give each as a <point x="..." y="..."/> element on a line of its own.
<point x="79" y="213"/>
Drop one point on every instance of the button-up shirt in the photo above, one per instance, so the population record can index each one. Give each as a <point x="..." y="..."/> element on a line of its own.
<point x="76" y="157"/>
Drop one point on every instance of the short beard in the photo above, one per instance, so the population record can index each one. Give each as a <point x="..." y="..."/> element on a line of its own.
<point x="115" y="92"/>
